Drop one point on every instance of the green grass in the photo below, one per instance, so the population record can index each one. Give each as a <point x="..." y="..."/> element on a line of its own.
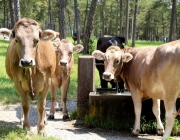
<point x="16" y="133"/>
<point x="7" y="90"/>
<point x="141" y="43"/>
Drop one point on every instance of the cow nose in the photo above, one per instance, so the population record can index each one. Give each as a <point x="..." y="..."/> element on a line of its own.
<point x="63" y="63"/>
<point x="26" y="63"/>
<point x="108" y="76"/>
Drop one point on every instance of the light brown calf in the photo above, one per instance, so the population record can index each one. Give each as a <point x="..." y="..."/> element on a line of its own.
<point x="61" y="79"/>
<point x="148" y="73"/>
<point x="30" y="63"/>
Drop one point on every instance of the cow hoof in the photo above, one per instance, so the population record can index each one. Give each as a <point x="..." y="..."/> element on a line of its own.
<point x="51" y="117"/>
<point x="122" y="90"/>
<point x="65" y="117"/>
<point x="42" y="133"/>
<point x="136" y="132"/>
<point x="160" y="132"/>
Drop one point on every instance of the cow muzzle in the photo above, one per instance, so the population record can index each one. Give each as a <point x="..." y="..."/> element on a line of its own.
<point x="108" y="76"/>
<point x="63" y="63"/>
<point x="27" y="63"/>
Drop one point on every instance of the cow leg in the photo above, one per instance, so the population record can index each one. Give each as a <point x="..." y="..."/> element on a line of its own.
<point x="41" y="104"/>
<point x="137" y="109"/>
<point x="53" y="101"/>
<point x="157" y="112"/>
<point x="170" y="116"/>
<point x="121" y="85"/>
<point x="25" y="105"/>
<point x="64" y="89"/>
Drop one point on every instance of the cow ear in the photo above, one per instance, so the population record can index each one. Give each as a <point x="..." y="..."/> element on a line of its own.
<point x="78" y="48"/>
<point x="98" y="55"/>
<point x="126" y="57"/>
<point x="47" y="35"/>
<point x="5" y="33"/>
<point x="56" y="43"/>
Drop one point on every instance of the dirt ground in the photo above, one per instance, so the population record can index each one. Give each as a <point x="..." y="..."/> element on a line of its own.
<point x="67" y="130"/>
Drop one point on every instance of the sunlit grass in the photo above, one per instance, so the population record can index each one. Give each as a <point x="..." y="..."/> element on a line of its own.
<point x="143" y="43"/>
<point x="17" y="133"/>
<point x="7" y="91"/>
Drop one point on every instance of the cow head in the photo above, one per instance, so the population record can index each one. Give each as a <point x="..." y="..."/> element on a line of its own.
<point x="113" y="58"/>
<point x="64" y="48"/>
<point x="5" y="33"/>
<point x="26" y="34"/>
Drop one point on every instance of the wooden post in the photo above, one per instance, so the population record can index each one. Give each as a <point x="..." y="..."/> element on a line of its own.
<point x="86" y="83"/>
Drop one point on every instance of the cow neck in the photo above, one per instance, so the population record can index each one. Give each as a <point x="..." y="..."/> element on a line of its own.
<point x="28" y="72"/>
<point x="121" y="65"/>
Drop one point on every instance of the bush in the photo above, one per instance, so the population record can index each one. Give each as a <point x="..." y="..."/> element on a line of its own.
<point x="92" y="44"/>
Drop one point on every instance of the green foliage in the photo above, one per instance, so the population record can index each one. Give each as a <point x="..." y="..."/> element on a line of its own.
<point x="176" y="128"/>
<point x="73" y="115"/>
<point x="149" y="127"/>
<point x="108" y="123"/>
<point x="92" y="44"/>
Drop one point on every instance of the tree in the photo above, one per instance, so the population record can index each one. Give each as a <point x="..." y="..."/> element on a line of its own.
<point x="50" y="14"/>
<point x="62" y="8"/>
<point x="12" y="12"/>
<point x="121" y="33"/>
<point x="172" y="23"/>
<point x="17" y="10"/>
<point x="77" y="21"/>
<point x="89" y="25"/>
<point x="102" y="15"/>
<point x="127" y="22"/>
<point x="134" y="24"/>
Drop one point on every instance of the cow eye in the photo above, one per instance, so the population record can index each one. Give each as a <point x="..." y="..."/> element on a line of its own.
<point x="70" y="53"/>
<point x="117" y="61"/>
<point x="16" y="41"/>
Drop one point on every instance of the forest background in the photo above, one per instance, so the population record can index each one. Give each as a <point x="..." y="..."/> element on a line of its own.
<point x="152" y="20"/>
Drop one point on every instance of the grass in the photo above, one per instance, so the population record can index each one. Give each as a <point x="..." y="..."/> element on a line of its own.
<point x="7" y="90"/>
<point x="16" y="133"/>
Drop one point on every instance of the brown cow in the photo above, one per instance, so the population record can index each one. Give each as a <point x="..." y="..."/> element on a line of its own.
<point x="148" y="73"/>
<point x="61" y="79"/>
<point x="30" y="63"/>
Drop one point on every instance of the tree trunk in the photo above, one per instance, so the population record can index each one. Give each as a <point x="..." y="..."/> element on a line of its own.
<point x="4" y="12"/>
<point x="62" y="19"/>
<point x="89" y="25"/>
<point x="77" y="21"/>
<point x="87" y="5"/>
<point x="120" y="24"/>
<point x="50" y="14"/>
<point x="117" y="20"/>
<point x="12" y="13"/>
<point x="17" y="10"/>
<point x="134" y="24"/>
<point x="172" y="24"/>
<point x="127" y="23"/>
<point x="102" y="17"/>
